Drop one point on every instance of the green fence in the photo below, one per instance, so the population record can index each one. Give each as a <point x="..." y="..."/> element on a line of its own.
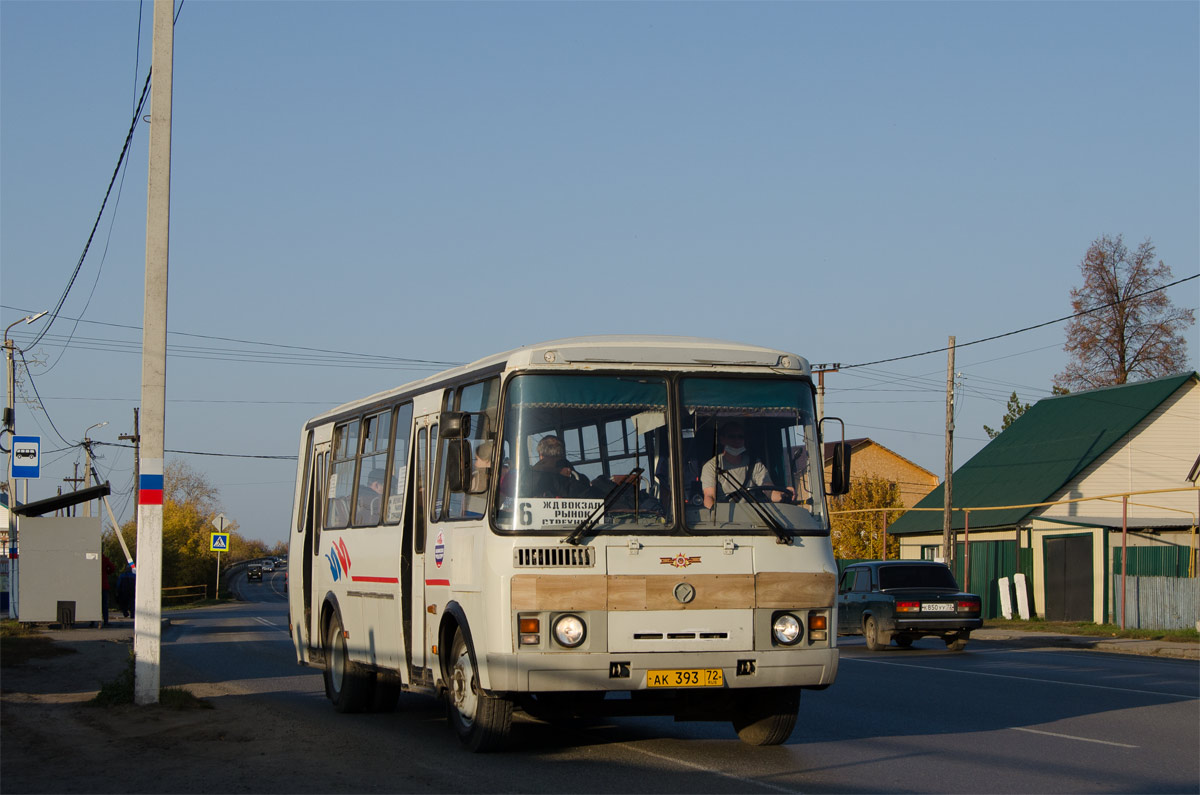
<point x="1163" y="561"/>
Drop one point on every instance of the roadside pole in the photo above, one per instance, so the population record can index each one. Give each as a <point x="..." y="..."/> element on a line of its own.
<point x="947" y="492"/>
<point x="147" y="635"/>
<point x="220" y="542"/>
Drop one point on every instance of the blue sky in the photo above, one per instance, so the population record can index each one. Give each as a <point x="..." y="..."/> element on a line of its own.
<point x="443" y="181"/>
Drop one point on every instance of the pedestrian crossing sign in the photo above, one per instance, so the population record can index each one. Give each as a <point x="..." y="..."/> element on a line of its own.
<point x="219" y="542"/>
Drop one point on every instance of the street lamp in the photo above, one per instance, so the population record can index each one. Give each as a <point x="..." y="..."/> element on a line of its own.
<point x="10" y="425"/>
<point x="87" y="449"/>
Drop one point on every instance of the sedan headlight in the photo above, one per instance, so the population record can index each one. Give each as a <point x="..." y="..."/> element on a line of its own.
<point x="569" y="631"/>
<point x="787" y="629"/>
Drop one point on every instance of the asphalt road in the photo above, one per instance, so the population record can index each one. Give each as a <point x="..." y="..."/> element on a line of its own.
<point x="998" y="717"/>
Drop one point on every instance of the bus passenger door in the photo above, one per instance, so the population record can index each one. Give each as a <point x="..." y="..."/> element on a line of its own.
<point x="314" y="519"/>
<point x="413" y="568"/>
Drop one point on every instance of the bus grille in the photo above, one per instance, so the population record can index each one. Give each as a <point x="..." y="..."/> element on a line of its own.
<point x="554" y="557"/>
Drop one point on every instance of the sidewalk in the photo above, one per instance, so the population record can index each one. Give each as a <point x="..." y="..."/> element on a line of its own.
<point x="1146" y="648"/>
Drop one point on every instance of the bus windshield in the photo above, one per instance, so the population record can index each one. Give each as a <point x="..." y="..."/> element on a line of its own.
<point x="605" y="451"/>
<point x="573" y="442"/>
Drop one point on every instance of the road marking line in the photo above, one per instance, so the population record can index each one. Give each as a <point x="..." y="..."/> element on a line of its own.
<point x="1189" y="696"/>
<point x="266" y="623"/>
<point x="1071" y="737"/>
<point x="703" y="769"/>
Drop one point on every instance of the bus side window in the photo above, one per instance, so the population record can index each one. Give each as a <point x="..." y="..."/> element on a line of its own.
<point x="420" y="497"/>
<point x="341" y="477"/>
<point x="402" y="426"/>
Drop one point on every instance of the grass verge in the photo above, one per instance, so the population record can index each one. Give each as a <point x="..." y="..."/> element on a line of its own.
<point x="1093" y="630"/>
<point x="120" y="691"/>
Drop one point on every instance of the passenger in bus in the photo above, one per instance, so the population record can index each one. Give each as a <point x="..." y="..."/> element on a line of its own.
<point x="736" y="460"/>
<point x="553" y="475"/>
<point x="370" y="502"/>
<point x="483" y="466"/>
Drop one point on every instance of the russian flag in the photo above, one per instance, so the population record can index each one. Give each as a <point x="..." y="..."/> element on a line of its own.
<point x="150" y="490"/>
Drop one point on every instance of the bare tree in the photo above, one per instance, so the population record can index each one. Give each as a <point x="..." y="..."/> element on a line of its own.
<point x="1134" y="330"/>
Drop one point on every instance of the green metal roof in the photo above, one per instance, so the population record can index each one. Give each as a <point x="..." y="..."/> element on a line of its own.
<point x="1042" y="451"/>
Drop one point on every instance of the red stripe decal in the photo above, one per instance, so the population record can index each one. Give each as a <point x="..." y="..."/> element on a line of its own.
<point x="150" y="497"/>
<point x="437" y="582"/>
<point x="375" y="579"/>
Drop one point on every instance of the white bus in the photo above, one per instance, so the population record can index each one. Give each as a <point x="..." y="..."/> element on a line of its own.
<point x="609" y="525"/>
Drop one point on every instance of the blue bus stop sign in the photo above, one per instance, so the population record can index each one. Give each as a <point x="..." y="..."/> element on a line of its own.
<point x="26" y="456"/>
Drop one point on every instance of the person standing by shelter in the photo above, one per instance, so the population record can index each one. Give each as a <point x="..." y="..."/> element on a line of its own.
<point x="107" y="570"/>
<point x="126" y="588"/>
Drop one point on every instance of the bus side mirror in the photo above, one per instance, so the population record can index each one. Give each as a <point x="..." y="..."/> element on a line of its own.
<point x="839" y="474"/>
<point x="455" y="424"/>
<point x="458" y="464"/>
<point x="839" y="469"/>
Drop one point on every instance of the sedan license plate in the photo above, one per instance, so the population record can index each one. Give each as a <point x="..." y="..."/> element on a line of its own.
<point x="686" y="677"/>
<point x="937" y="607"/>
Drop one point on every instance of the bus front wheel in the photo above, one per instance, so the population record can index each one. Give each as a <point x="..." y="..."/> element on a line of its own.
<point x="346" y="684"/>
<point x="768" y="716"/>
<point x="481" y="721"/>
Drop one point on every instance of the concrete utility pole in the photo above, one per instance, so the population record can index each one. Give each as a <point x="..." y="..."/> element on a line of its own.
<point x="147" y="631"/>
<point x="948" y="493"/>
<point x="10" y="426"/>
<point x="87" y="449"/>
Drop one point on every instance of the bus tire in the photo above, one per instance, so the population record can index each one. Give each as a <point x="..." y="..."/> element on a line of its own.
<point x="347" y="685"/>
<point x="481" y="721"/>
<point x="767" y="717"/>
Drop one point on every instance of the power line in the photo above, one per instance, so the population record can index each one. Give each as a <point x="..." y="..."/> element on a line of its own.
<point x="217" y="455"/>
<point x="1027" y="328"/>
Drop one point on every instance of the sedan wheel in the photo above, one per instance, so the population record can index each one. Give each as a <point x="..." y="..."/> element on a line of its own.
<point x="876" y="640"/>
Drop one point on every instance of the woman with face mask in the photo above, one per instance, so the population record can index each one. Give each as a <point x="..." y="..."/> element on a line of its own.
<point x="733" y="459"/>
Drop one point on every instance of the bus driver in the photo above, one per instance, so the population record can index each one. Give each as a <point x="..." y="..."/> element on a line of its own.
<point x="734" y="459"/>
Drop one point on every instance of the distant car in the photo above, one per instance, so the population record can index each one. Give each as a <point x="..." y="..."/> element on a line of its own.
<point x="254" y="572"/>
<point x="268" y="565"/>
<point x="902" y="600"/>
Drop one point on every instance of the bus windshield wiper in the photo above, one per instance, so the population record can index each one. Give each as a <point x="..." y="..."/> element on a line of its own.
<point x="783" y="535"/>
<point x="594" y="517"/>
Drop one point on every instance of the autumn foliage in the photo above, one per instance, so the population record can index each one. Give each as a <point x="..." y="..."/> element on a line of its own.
<point x="1131" y="330"/>
<point x="858" y="533"/>
<point x="190" y="503"/>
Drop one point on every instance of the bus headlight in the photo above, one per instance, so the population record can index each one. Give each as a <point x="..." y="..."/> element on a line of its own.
<point x="787" y="629"/>
<point x="569" y="631"/>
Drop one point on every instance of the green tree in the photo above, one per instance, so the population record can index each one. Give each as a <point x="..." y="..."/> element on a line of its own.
<point x="1131" y="328"/>
<point x="856" y="535"/>
<point x="1015" y="409"/>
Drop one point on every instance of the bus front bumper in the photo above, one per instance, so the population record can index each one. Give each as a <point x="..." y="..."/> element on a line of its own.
<point x="543" y="672"/>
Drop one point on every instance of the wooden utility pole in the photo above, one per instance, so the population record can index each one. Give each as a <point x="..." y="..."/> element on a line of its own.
<point x="948" y="502"/>
<point x="137" y="453"/>
<point x="147" y="629"/>
<point x="75" y="481"/>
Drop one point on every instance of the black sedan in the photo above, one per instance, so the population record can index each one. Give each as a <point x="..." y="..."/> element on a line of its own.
<point x="902" y="600"/>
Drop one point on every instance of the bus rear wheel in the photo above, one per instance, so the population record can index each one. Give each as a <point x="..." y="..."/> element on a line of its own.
<point x="481" y="721"/>
<point x="347" y="685"/>
<point x="768" y="716"/>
